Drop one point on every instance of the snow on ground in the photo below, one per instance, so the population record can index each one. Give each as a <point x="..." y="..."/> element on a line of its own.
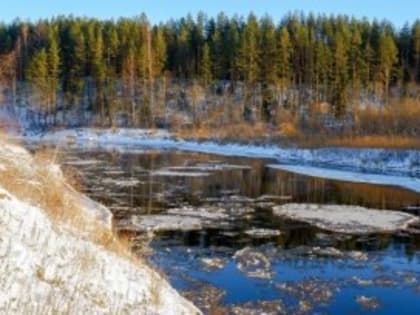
<point x="49" y="267"/>
<point x="45" y="269"/>
<point x="347" y="219"/>
<point x="411" y="183"/>
<point x="379" y="161"/>
<point x="24" y="168"/>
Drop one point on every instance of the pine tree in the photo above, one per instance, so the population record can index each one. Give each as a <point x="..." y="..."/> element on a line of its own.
<point x="233" y="48"/>
<point x="284" y="57"/>
<point x="248" y="52"/>
<point x="159" y="51"/>
<point x="321" y="71"/>
<point x="75" y="62"/>
<point x="111" y="49"/>
<point x="416" y="49"/>
<point x="340" y="75"/>
<point x="98" y="66"/>
<point x="267" y="65"/>
<point x="404" y="46"/>
<point x="268" y="52"/>
<point x="387" y="58"/>
<point x="37" y="76"/>
<point x="334" y="59"/>
<point x="205" y="65"/>
<point x="355" y="59"/>
<point x="221" y="47"/>
<point x="53" y="61"/>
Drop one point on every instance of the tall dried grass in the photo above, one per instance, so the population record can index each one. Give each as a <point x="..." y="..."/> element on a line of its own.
<point x="40" y="184"/>
<point x="243" y="132"/>
<point x="39" y="181"/>
<point x="400" y="118"/>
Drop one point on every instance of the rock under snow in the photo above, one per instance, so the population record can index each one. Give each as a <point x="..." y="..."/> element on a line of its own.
<point x="347" y="219"/>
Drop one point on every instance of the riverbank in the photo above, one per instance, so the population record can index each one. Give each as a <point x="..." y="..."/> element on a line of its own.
<point x="396" y="167"/>
<point x="288" y="134"/>
<point x="59" y="253"/>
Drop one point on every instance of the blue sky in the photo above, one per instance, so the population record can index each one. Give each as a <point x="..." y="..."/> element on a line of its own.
<point x="397" y="12"/>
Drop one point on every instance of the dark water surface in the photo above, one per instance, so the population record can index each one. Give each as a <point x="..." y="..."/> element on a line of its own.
<point x="225" y="269"/>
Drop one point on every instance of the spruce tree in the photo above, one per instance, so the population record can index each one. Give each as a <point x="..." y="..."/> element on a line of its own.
<point x="205" y="65"/>
<point x="53" y="61"/>
<point x="387" y="58"/>
<point x="37" y="77"/>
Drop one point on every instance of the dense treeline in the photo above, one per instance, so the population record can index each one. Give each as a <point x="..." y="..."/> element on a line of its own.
<point x="333" y="59"/>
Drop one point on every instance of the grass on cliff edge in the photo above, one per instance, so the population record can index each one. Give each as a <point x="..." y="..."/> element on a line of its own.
<point x="38" y="181"/>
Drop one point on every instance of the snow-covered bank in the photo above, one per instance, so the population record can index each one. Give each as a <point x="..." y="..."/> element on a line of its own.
<point x="53" y="268"/>
<point x="28" y="177"/>
<point x="402" y="163"/>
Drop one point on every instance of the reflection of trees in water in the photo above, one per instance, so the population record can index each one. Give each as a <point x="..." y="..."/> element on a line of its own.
<point x="298" y="236"/>
<point x="309" y="189"/>
<point x="253" y="182"/>
<point x="412" y="247"/>
<point x="260" y="180"/>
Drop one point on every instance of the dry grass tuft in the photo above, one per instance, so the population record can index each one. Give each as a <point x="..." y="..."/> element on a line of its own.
<point x="355" y="141"/>
<point x="288" y="123"/>
<point x="155" y="289"/>
<point x="73" y="177"/>
<point x="400" y="118"/>
<point x="289" y="130"/>
<point x="396" y="125"/>
<point x="231" y="132"/>
<point x="40" y="182"/>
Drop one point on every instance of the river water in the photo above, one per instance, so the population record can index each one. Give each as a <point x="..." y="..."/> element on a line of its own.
<point x="248" y="261"/>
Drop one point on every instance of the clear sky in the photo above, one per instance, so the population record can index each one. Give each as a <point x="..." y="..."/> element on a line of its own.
<point x="397" y="12"/>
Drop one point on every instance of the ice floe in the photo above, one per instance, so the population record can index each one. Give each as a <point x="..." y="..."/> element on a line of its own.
<point x="347" y="219"/>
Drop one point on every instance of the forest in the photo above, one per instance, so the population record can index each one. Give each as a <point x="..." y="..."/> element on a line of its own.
<point x="312" y="73"/>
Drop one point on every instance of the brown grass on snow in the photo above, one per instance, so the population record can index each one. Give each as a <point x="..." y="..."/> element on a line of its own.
<point x="38" y="181"/>
<point x="233" y="132"/>
<point x="39" y="185"/>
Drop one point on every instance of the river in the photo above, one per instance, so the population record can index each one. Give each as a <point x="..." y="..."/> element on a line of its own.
<point x="244" y="259"/>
